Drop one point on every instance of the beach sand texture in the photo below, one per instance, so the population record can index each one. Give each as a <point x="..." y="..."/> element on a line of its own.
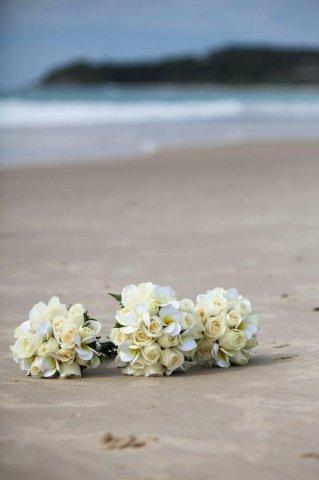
<point x="244" y="216"/>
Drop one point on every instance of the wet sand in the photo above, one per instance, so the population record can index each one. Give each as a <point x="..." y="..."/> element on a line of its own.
<point x="244" y="216"/>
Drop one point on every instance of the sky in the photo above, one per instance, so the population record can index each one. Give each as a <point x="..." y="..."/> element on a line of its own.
<point x="36" y="35"/>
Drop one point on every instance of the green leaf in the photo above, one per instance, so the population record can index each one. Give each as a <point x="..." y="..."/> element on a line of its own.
<point x="117" y="297"/>
<point x="108" y="349"/>
<point x="88" y="319"/>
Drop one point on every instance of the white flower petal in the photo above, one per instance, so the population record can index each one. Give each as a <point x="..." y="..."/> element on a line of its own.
<point x="187" y="343"/>
<point x="70" y="370"/>
<point x="232" y="294"/>
<point x="84" y="353"/>
<point x="169" y="329"/>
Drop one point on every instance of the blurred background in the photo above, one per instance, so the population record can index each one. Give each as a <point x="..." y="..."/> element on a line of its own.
<point x="83" y="81"/>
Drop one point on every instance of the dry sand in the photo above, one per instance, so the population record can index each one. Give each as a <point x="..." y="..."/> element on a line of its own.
<point x="239" y="216"/>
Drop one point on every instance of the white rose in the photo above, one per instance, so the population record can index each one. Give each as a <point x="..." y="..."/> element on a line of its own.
<point x="42" y="312"/>
<point x="65" y="355"/>
<point x="85" y="332"/>
<point x="56" y="308"/>
<point x="197" y="329"/>
<point x="215" y="327"/>
<point x="58" y="323"/>
<point x="188" y="321"/>
<point x="26" y="345"/>
<point x="38" y="313"/>
<point x="136" y="367"/>
<point x="76" y="315"/>
<point x="252" y="343"/>
<point x="141" y="339"/>
<point x="154" y="328"/>
<point x="69" y="337"/>
<point x="232" y="340"/>
<point x="48" y="348"/>
<point x="155" y="370"/>
<point x="44" y="330"/>
<point x="204" y="349"/>
<point x="70" y="370"/>
<point x="240" y="358"/>
<point x="233" y="318"/>
<point x="43" y="367"/>
<point x="89" y="333"/>
<point x="171" y="358"/>
<point x="117" y="336"/>
<point x="151" y="353"/>
<point x="186" y="305"/>
<point x="167" y="341"/>
<point x="202" y="312"/>
<point x="245" y="306"/>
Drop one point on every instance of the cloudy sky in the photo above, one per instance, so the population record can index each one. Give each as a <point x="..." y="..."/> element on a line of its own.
<point x="38" y="34"/>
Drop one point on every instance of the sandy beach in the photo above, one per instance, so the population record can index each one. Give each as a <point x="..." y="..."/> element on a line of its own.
<point x="244" y="216"/>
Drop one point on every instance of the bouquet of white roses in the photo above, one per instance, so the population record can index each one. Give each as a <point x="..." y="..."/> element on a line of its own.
<point x="154" y="332"/>
<point x="230" y="328"/>
<point x="57" y="341"/>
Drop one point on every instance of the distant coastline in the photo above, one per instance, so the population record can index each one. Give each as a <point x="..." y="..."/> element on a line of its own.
<point x="242" y="65"/>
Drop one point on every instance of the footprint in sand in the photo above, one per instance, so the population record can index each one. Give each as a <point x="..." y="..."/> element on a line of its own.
<point x="282" y="345"/>
<point x="285" y="357"/>
<point x="111" y="442"/>
<point x="310" y="455"/>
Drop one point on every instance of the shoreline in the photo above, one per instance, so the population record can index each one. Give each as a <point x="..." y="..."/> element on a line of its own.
<point x="177" y="151"/>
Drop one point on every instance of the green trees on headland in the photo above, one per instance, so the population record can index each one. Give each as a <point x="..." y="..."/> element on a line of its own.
<point x="229" y="66"/>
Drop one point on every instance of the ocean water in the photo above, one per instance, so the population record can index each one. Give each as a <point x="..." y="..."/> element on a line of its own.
<point x="80" y="124"/>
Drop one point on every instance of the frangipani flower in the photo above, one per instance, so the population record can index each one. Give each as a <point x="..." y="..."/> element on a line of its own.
<point x="220" y="357"/>
<point x="44" y="367"/>
<point x="127" y="351"/>
<point x="171" y="319"/>
<point x="133" y="319"/>
<point x="42" y="311"/>
<point x="89" y="332"/>
<point x="249" y="326"/>
<point x="133" y="295"/>
<point x="214" y="301"/>
<point x="165" y="296"/>
<point x="187" y="343"/>
<point x="150" y="295"/>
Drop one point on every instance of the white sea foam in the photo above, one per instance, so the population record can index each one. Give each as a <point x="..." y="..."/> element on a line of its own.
<point x="33" y="113"/>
